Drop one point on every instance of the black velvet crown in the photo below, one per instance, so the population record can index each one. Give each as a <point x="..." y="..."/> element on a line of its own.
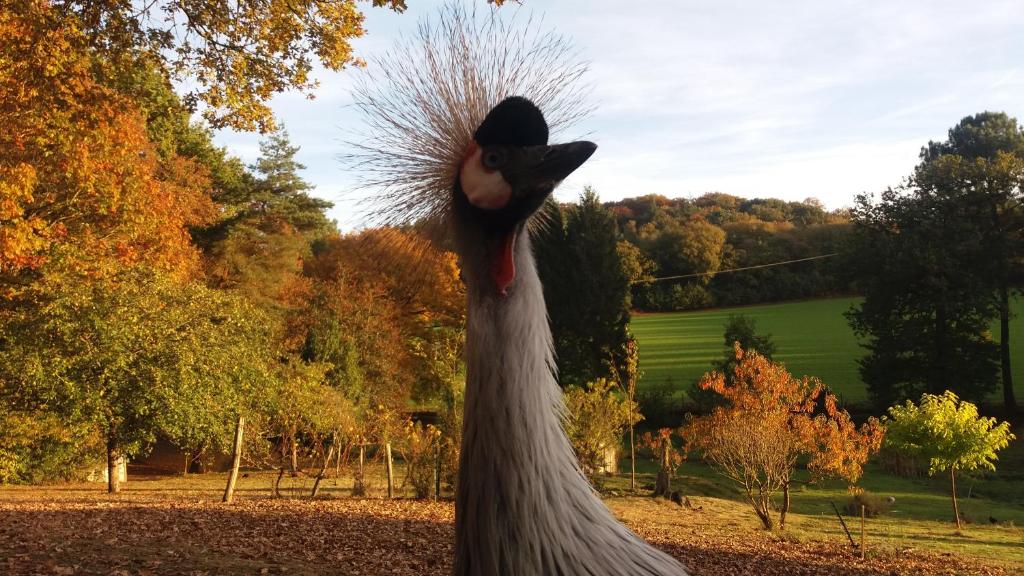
<point x="515" y="121"/>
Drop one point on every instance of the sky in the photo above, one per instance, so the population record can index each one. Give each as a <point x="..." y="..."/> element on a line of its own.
<point x="785" y="99"/>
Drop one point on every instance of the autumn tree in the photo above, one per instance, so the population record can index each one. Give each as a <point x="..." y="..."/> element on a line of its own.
<point x="768" y="421"/>
<point x="234" y="56"/>
<point x="949" y="434"/>
<point x="667" y="456"/>
<point x="681" y="247"/>
<point x="81" y="181"/>
<point x="738" y="329"/>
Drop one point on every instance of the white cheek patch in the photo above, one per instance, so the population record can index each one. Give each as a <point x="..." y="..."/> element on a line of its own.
<point x="485" y="189"/>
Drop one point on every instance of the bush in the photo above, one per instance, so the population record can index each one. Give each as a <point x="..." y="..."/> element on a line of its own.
<point x="37" y="448"/>
<point x="901" y="463"/>
<point x="421" y="450"/>
<point x="595" y="418"/>
<point x="659" y="404"/>
<point x="874" y="505"/>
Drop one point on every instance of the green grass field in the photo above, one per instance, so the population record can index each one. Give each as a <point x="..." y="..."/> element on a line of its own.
<point x="811" y="338"/>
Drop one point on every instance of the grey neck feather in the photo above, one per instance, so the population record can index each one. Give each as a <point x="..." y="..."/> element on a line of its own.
<point x="523" y="507"/>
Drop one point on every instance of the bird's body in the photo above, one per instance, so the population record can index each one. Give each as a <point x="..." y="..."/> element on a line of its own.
<point x="523" y="507"/>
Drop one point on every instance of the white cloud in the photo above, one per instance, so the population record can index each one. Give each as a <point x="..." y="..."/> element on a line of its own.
<point x="789" y="99"/>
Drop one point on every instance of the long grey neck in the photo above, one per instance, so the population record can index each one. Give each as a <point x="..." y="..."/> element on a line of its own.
<point x="523" y="507"/>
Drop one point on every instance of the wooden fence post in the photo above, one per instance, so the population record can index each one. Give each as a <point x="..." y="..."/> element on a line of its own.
<point x="862" y="549"/>
<point x="236" y="460"/>
<point x="390" y="470"/>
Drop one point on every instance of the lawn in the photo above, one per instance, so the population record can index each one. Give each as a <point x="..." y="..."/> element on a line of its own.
<point x="811" y="338"/>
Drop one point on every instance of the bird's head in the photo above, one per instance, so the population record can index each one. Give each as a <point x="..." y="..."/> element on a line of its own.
<point x="508" y="170"/>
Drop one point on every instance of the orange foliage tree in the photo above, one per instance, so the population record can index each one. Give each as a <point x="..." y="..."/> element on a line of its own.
<point x="420" y="284"/>
<point x="768" y="422"/>
<point x="668" y="457"/>
<point x="80" y="179"/>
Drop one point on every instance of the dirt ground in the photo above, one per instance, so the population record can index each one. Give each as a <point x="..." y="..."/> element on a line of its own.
<point x="148" y="530"/>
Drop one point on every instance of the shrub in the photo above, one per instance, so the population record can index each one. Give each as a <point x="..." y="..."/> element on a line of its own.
<point x="768" y="421"/>
<point x="874" y="505"/>
<point x="421" y="444"/>
<point x="659" y="405"/>
<point x="595" y="419"/>
<point x="40" y="447"/>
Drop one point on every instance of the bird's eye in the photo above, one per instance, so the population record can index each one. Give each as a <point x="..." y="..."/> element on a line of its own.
<point x="493" y="158"/>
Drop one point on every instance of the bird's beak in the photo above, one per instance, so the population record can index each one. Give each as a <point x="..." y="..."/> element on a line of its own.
<point x="540" y="166"/>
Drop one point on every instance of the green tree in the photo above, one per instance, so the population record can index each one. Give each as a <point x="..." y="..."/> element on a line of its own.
<point x="586" y="288"/>
<point x="949" y="434"/>
<point x="134" y="355"/>
<point x="980" y="168"/>
<point x="260" y="247"/>
<point x="925" y="320"/>
<point x="595" y="417"/>
<point x="741" y="330"/>
<point x="685" y="247"/>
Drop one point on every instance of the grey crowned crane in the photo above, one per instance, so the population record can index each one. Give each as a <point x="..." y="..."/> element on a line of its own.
<point x="453" y="138"/>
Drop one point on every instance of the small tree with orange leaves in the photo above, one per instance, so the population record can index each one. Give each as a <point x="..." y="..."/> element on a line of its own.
<point x="768" y="422"/>
<point x="667" y="456"/>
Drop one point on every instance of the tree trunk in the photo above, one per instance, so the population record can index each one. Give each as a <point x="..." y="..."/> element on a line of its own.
<point x="188" y="460"/>
<point x="437" y="474"/>
<point x="762" y="510"/>
<point x="359" y="482"/>
<point x="390" y="470"/>
<point x="277" y="483"/>
<point x="113" y="474"/>
<point x="785" y="506"/>
<point x="236" y="461"/>
<point x="956" y="507"/>
<point x="663" y="484"/>
<point x="337" y="469"/>
<point x="1009" y="400"/>
<point x="632" y="453"/>
<point x="323" y="470"/>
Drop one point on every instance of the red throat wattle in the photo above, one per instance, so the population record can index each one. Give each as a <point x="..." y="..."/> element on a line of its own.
<point x="503" y="266"/>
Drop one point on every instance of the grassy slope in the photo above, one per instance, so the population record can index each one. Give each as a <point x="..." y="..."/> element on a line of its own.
<point x="921" y="517"/>
<point x="811" y="338"/>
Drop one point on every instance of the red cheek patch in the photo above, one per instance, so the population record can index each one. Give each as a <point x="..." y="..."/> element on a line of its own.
<point x="503" y="266"/>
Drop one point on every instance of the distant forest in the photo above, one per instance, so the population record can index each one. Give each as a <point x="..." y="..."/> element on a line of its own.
<point x="663" y="237"/>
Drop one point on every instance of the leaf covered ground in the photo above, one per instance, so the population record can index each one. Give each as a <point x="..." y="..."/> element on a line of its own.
<point x="149" y="529"/>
